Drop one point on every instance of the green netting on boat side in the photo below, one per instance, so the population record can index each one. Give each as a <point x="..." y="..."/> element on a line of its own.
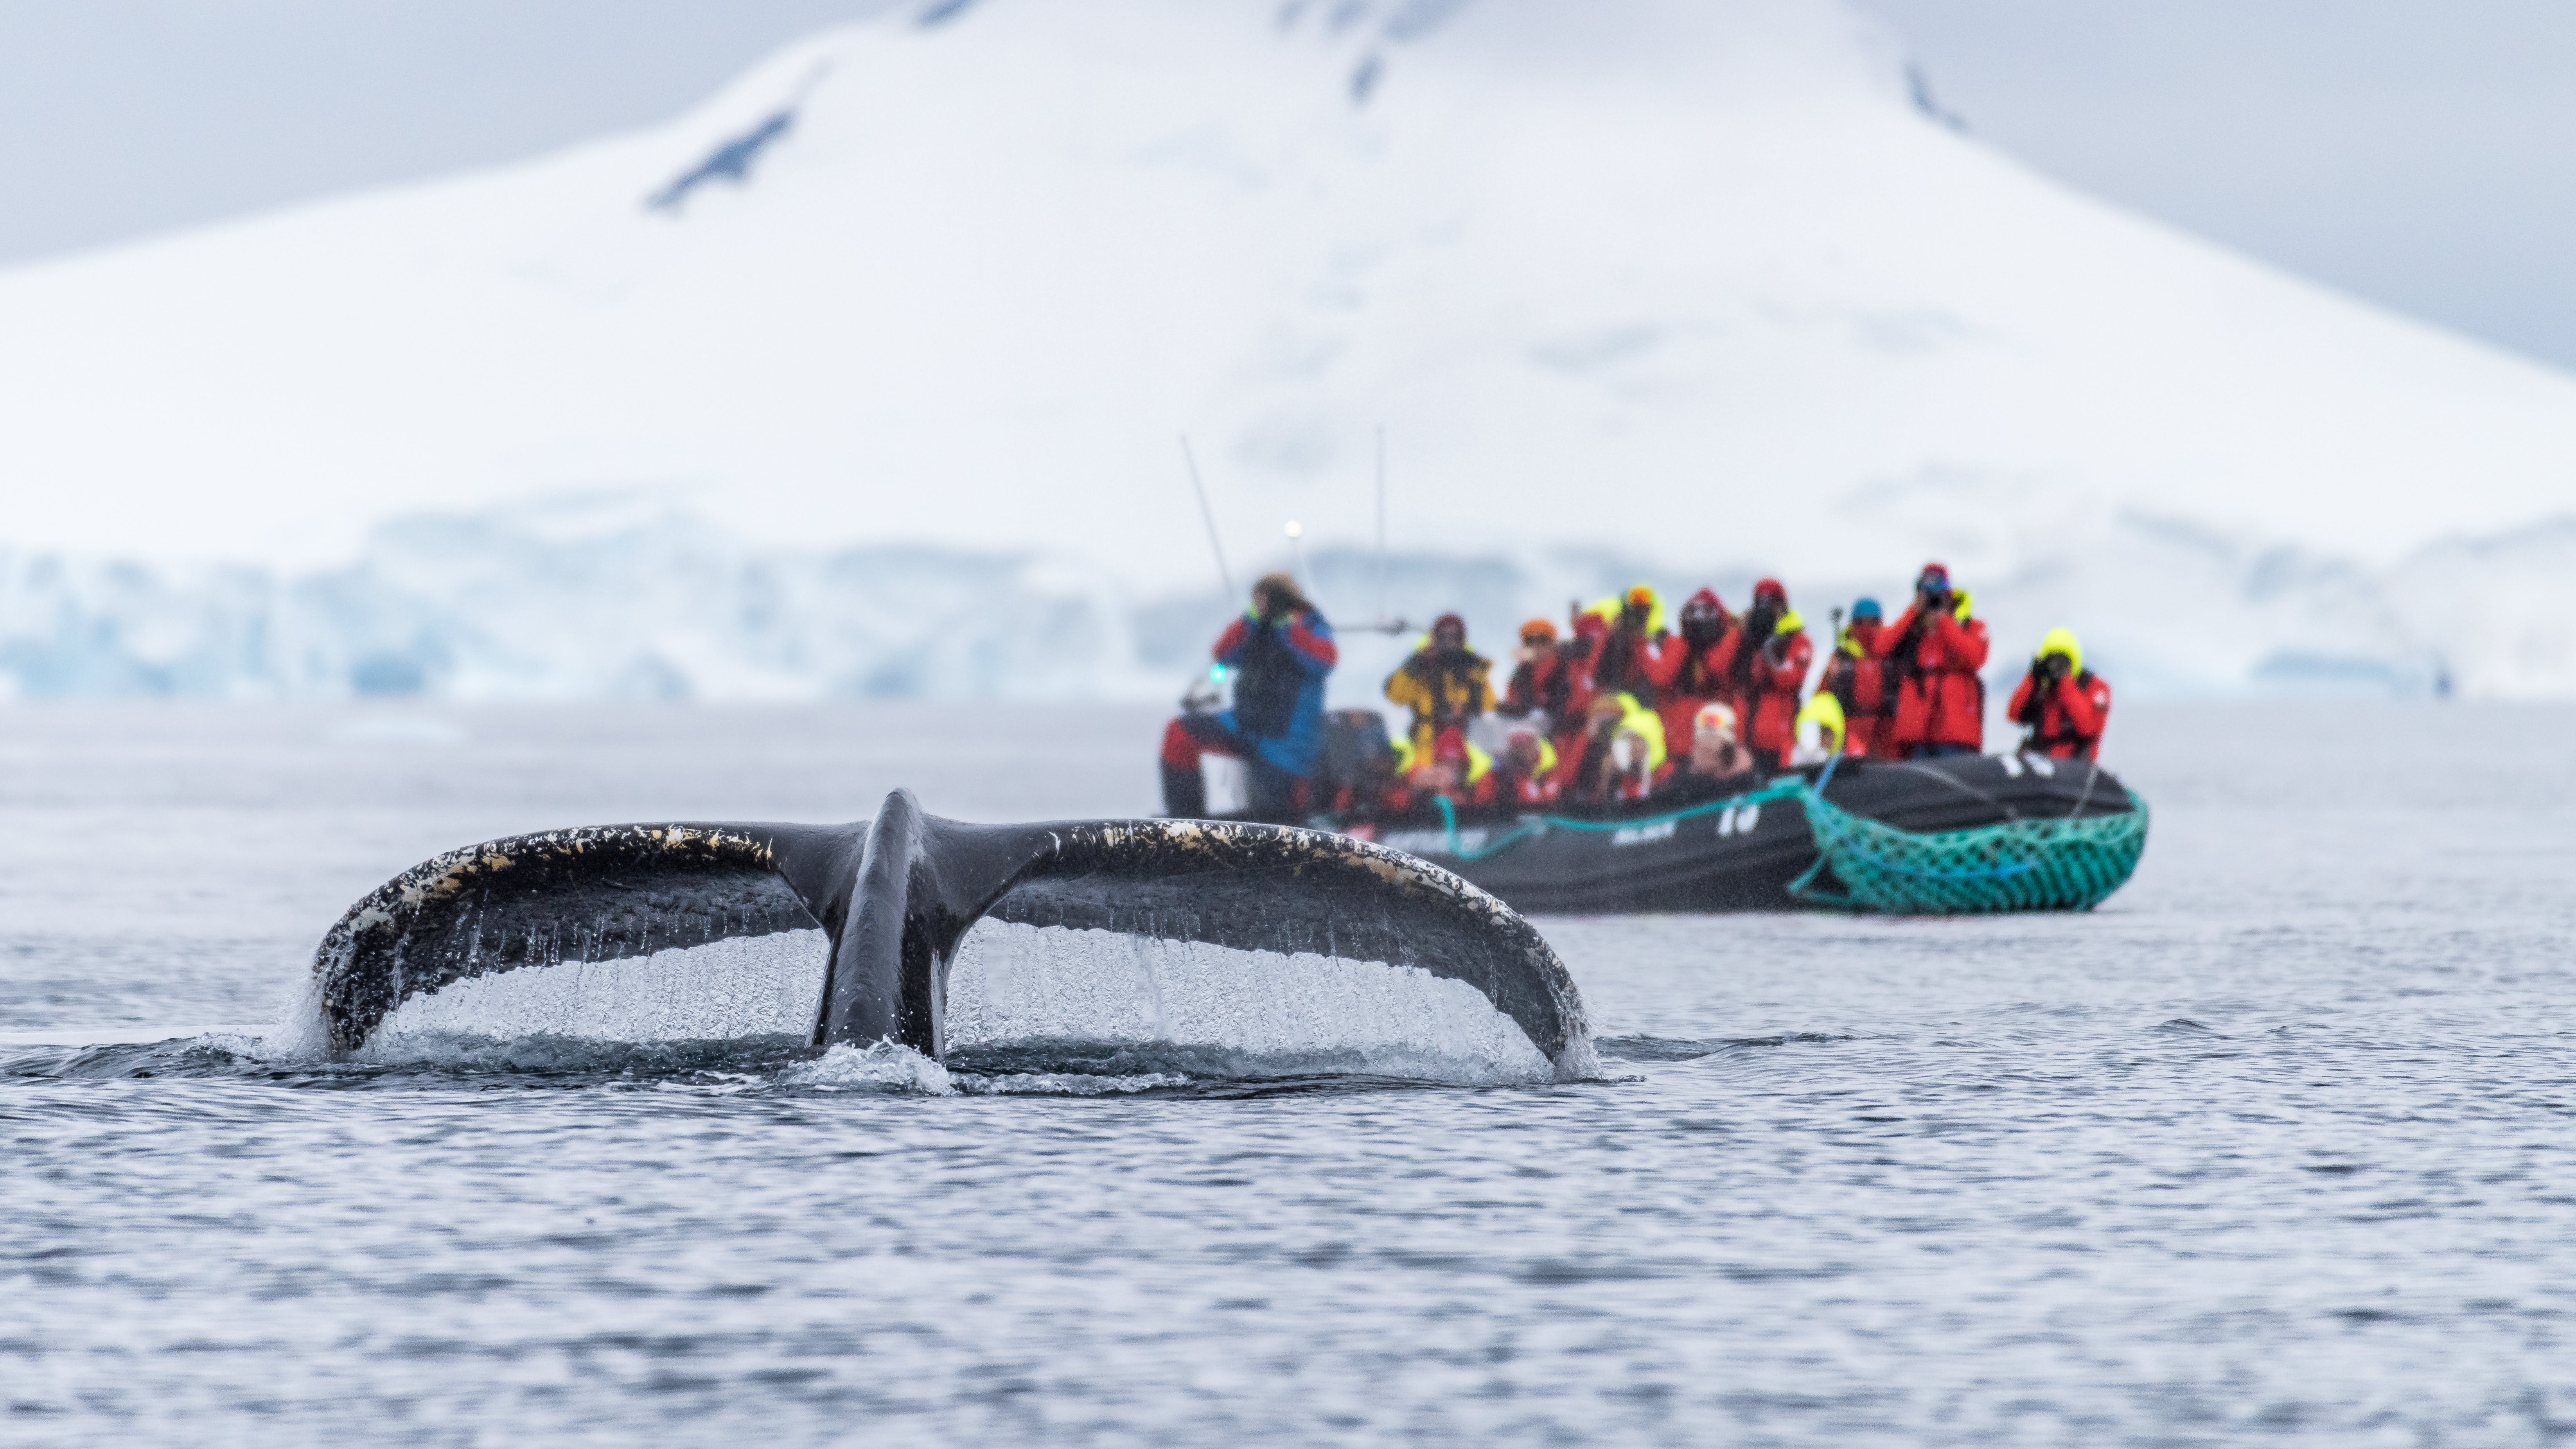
<point x="2018" y="865"/>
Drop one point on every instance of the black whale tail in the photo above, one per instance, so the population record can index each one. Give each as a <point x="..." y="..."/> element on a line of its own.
<point x="894" y="898"/>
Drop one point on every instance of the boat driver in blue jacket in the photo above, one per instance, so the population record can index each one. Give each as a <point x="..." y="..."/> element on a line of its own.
<point x="1281" y="651"/>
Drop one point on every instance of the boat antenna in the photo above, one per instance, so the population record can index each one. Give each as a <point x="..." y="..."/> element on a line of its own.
<point x="1215" y="545"/>
<point x="1382" y="624"/>
<point x="1381" y="521"/>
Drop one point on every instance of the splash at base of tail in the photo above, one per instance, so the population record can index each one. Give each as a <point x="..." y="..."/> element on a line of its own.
<point x="895" y="896"/>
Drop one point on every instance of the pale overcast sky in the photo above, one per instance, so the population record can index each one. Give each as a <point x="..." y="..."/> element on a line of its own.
<point x="2411" y="152"/>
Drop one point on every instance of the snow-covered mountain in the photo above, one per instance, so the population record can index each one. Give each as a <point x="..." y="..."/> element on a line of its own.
<point x="899" y="332"/>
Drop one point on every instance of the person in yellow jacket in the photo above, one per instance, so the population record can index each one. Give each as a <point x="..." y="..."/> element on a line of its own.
<point x="1445" y="684"/>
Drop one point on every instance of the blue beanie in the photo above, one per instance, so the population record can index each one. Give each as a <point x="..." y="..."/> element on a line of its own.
<point x="1866" y="609"/>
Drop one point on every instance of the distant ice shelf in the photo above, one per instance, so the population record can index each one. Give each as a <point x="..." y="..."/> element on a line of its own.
<point x="605" y="598"/>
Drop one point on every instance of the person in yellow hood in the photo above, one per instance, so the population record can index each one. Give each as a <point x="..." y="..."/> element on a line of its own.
<point x="1457" y="770"/>
<point x="1528" y="768"/>
<point x="1820" y="731"/>
<point x="2064" y="706"/>
<point x="1623" y="755"/>
<point x="1445" y="684"/>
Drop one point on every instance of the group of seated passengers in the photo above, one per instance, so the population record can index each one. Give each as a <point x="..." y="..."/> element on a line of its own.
<point x="1619" y="757"/>
<point x="1593" y="717"/>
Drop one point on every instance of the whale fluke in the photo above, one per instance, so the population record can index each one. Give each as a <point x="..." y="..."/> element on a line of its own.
<point x="896" y="895"/>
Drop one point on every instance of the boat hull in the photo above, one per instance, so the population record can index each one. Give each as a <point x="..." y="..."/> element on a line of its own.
<point x="1965" y="834"/>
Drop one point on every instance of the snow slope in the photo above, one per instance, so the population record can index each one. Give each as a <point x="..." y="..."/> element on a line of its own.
<point x="1687" y="284"/>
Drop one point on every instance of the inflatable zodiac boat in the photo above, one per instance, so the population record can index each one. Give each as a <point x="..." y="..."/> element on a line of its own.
<point x="1972" y="833"/>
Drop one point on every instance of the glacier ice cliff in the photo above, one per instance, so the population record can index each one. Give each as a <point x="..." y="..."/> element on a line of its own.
<point x="617" y="597"/>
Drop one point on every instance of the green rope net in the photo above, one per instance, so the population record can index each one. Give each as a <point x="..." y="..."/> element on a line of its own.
<point x="2017" y="865"/>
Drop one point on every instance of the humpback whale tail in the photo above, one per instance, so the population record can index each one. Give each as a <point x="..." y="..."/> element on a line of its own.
<point x="893" y="898"/>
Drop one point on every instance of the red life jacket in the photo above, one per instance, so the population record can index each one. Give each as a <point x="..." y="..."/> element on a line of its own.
<point x="1687" y="674"/>
<point x="2065" y="721"/>
<point x="1619" y="663"/>
<point x="1778" y="671"/>
<point x="1935" y="659"/>
<point x="1539" y="684"/>
<point x="1860" y="683"/>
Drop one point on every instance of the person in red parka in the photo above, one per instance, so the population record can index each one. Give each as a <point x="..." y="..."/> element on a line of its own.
<point x="1544" y="682"/>
<point x="1457" y="771"/>
<point x="1933" y="655"/>
<point x="1766" y="668"/>
<point x="2064" y="705"/>
<point x="1617" y="661"/>
<point x="1858" y="680"/>
<point x="1576" y="655"/>
<point x="1527" y="769"/>
<point x="1688" y="669"/>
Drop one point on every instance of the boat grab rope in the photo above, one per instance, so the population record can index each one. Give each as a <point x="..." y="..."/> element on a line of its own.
<point x="1789" y="788"/>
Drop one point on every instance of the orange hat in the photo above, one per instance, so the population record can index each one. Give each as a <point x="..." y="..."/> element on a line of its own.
<point x="1642" y="596"/>
<point x="1537" y="626"/>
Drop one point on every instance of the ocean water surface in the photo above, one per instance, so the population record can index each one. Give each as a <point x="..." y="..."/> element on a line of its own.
<point x="2279" y="1146"/>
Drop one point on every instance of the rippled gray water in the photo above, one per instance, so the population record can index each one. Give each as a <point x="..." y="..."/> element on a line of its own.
<point x="2280" y="1145"/>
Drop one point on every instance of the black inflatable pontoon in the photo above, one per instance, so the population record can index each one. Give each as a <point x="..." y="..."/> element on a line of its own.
<point x="1963" y="834"/>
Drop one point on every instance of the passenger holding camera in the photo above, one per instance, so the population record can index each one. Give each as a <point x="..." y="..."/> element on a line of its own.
<point x="1934" y="653"/>
<point x="1689" y="669"/>
<point x="1620" y="755"/>
<point x="2064" y="705"/>
<point x="1771" y="655"/>
<point x="1281" y="650"/>
<point x="1445" y="683"/>
<point x="1619" y="659"/>
<point x="1544" y="683"/>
